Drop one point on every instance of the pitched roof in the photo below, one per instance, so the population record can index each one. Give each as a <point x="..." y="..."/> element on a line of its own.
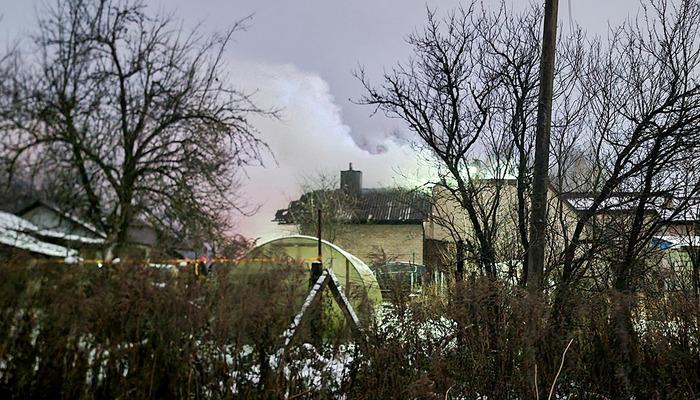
<point x="689" y="211"/>
<point x="618" y="202"/>
<point x="379" y="206"/>
<point x="671" y="209"/>
<point x="24" y="226"/>
<point x="14" y="232"/>
<point x="391" y="205"/>
<point x="75" y="219"/>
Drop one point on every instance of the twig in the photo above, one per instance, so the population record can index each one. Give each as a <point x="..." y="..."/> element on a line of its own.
<point x="448" y="391"/>
<point x="300" y="394"/>
<point x="153" y="369"/>
<point x="563" y="357"/>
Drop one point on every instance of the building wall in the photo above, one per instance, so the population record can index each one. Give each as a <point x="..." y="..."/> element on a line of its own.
<point x="402" y="242"/>
<point x="680" y="229"/>
<point x="449" y="221"/>
<point x="143" y="235"/>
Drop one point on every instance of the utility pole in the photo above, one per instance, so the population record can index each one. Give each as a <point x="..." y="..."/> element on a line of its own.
<point x="319" y="228"/>
<point x="540" y="179"/>
<point x="316" y="313"/>
<point x="317" y="266"/>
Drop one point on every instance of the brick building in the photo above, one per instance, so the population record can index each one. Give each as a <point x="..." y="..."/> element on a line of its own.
<point x="372" y="223"/>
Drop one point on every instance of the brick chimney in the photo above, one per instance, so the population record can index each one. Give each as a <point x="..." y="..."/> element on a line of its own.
<point x="351" y="181"/>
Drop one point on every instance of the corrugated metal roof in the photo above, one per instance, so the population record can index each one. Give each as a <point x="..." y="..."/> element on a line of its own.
<point x="391" y="205"/>
<point x="381" y="206"/>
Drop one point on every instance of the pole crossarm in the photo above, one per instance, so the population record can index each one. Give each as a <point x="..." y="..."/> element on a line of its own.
<point x="344" y="303"/>
<point x="291" y="332"/>
<point x="327" y="278"/>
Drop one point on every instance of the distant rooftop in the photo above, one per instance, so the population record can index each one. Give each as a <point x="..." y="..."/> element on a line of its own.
<point x="375" y="205"/>
<point x="667" y="207"/>
<point x="380" y="206"/>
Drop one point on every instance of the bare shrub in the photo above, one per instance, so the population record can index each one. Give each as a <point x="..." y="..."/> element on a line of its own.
<point x="141" y="332"/>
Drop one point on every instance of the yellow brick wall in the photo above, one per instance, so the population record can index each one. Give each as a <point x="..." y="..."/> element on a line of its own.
<point x="679" y="229"/>
<point x="400" y="242"/>
<point x="448" y="216"/>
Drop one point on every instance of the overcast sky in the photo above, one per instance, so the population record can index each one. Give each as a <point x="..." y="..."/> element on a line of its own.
<point x="299" y="55"/>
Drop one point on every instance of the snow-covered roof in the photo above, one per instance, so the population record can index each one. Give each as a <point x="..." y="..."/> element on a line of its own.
<point x="65" y="214"/>
<point x="477" y="170"/>
<point x="14" y="232"/>
<point x="49" y="233"/>
<point x="620" y="202"/>
<point x="690" y="212"/>
<point x="679" y="241"/>
<point x="22" y="225"/>
<point x="669" y="209"/>
<point x="16" y="223"/>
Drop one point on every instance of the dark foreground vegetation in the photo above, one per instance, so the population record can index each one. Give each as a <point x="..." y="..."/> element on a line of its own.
<point x="140" y="332"/>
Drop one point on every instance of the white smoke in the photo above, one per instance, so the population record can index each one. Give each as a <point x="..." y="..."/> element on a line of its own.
<point x="309" y="138"/>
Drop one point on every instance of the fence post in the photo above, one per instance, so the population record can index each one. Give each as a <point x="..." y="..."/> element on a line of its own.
<point x="316" y="312"/>
<point x="316" y="270"/>
<point x="347" y="277"/>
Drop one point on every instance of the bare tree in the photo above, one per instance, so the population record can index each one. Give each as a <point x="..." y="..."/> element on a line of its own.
<point x="642" y="120"/>
<point x="321" y="192"/>
<point x="513" y="62"/>
<point x="470" y="92"/>
<point x="135" y="117"/>
<point x="441" y="97"/>
<point x="625" y="114"/>
<point x="643" y="109"/>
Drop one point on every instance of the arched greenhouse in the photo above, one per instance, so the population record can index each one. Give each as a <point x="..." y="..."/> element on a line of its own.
<point x="293" y="255"/>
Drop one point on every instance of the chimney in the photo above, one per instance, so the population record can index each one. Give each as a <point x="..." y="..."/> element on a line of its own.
<point x="351" y="181"/>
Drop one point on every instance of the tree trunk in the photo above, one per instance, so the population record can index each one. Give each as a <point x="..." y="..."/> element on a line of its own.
<point x="694" y="251"/>
<point x="696" y="275"/>
<point x="623" y="344"/>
